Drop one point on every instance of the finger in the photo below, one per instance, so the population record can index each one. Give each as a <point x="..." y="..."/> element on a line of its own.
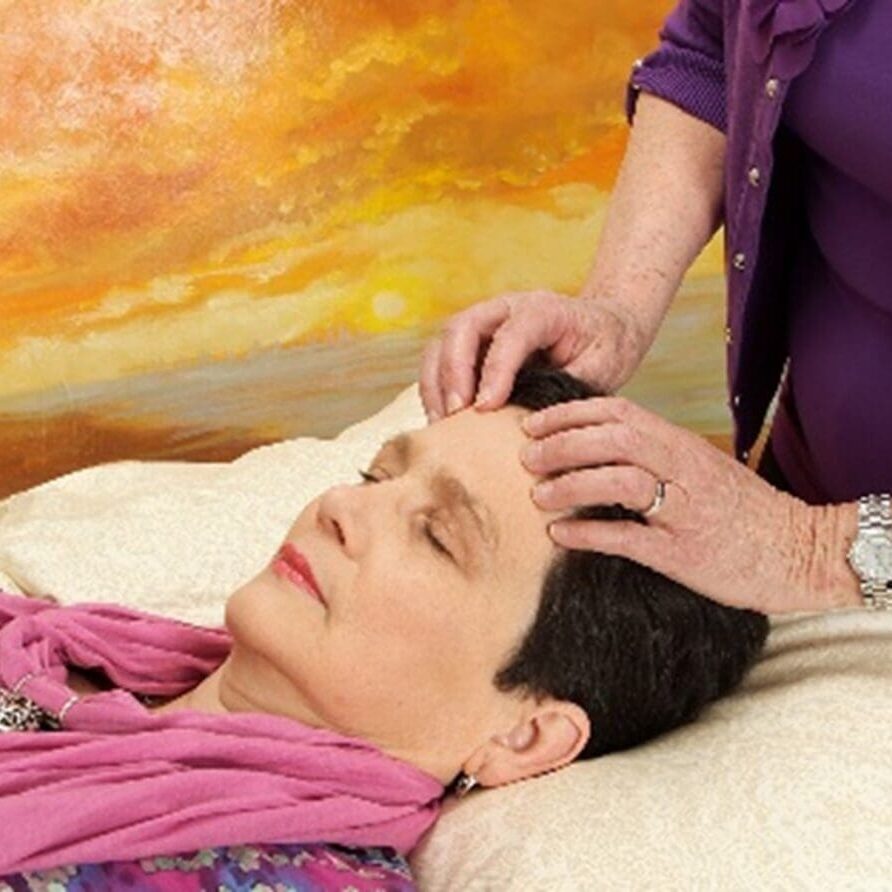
<point x="643" y="544"/>
<point x="610" y="443"/>
<point x="610" y="485"/>
<point x="428" y="385"/>
<point x="579" y="413"/>
<point x="461" y="343"/>
<point x="530" y="327"/>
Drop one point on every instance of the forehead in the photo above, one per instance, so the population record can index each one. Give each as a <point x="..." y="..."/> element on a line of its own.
<point x="481" y="450"/>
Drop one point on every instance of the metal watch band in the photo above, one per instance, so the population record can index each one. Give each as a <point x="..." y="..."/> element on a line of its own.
<point x="875" y="521"/>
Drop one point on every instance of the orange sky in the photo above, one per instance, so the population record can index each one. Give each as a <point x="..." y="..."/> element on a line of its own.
<point x="200" y="178"/>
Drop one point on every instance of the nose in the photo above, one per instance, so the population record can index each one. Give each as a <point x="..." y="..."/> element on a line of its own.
<point x="334" y="517"/>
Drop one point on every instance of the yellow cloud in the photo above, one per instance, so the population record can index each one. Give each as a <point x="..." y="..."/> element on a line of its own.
<point x="420" y="264"/>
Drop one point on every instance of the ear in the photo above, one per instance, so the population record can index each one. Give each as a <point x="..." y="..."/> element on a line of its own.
<point x="550" y="736"/>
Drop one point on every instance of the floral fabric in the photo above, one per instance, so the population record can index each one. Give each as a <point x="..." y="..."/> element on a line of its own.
<point x="271" y="868"/>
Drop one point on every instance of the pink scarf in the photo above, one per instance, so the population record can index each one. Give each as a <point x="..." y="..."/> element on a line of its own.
<point x="120" y="783"/>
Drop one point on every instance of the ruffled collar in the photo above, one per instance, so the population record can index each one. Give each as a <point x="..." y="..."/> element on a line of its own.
<point x="788" y="30"/>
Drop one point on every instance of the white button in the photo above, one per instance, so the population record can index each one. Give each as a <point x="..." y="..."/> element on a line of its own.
<point x="739" y="261"/>
<point x="729" y="338"/>
<point x="745" y="455"/>
<point x="638" y="63"/>
<point x="736" y="400"/>
<point x="755" y="176"/>
<point x="771" y="87"/>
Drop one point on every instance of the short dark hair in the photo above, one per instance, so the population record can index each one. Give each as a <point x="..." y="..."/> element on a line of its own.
<point x="638" y="652"/>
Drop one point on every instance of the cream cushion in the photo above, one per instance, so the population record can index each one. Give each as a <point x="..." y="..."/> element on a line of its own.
<point x="178" y="537"/>
<point x="786" y="784"/>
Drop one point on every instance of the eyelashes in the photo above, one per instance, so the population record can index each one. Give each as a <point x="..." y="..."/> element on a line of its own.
<point x="367" y="478"/>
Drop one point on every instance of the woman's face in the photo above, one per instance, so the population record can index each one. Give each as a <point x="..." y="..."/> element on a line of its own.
<point x="412" y="631"/>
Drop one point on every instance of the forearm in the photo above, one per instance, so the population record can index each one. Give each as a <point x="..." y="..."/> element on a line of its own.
<point x="666" y="205"/>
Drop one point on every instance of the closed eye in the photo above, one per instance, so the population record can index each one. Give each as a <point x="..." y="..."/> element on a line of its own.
<point x="366" y="478"/>
<point x="437" y="544"/>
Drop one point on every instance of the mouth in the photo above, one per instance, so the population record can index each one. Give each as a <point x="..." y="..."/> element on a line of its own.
<point x="290" y="565"/>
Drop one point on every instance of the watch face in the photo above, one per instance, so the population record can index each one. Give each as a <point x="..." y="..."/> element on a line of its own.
<point x="872" y="559"/>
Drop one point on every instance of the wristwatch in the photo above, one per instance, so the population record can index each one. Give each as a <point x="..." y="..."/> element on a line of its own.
<point x="870" y="555"/>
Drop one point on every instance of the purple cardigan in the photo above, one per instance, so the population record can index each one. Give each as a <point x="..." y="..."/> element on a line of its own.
<point x="732" y="63"/>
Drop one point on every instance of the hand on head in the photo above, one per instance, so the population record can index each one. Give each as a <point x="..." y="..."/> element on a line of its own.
<point x="476" y="358"/>
<point x="713" y="524"/>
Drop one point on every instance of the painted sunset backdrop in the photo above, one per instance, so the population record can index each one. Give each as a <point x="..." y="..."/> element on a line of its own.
<point x="228" y="221"/>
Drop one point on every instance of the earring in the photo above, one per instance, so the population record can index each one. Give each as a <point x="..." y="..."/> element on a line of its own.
<point x="464" y="785"/>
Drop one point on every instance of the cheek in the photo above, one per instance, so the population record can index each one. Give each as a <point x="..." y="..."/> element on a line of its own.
<point x="409" y="638"/>
<point x="410" y="609"/>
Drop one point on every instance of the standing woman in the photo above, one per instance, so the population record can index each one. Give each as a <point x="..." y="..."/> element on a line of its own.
<point x="774" y="118"/>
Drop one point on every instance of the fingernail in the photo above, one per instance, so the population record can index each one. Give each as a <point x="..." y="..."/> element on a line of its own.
<point x="542" y="491"/>
<point x="483" y="396"/>
<point x="453" y="403"/>
<point x="532" y="423"/>
<point x="532" y="452"/>
<point x="433" y="416"/>
<point x="556" y="530"/>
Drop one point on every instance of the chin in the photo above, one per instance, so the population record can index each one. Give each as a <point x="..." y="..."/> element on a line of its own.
<point x="247" y="606"/>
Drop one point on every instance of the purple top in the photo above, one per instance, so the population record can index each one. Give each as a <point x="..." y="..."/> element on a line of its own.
<point x="794" y="85"/>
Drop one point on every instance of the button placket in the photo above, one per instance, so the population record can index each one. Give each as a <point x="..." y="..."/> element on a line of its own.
<point x="637" y="65"/>
<point x="753" y="179"/>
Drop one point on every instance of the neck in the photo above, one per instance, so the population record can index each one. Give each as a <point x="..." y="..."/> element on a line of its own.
<point x="223" y="692"/>
<point x="204" y="697"/>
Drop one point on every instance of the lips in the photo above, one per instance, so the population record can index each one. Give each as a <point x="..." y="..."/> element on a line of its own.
<point x="290" y="564"/>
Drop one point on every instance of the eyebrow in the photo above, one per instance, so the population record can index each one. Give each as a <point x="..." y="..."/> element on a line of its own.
<point x="448" y="489"/>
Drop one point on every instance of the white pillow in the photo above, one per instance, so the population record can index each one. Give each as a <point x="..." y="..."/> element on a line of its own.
<point x="785" y="784"/>
<point x="178" y="538"/>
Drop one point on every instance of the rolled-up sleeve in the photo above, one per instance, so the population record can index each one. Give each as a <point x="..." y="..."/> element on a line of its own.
<point x="688" y="68"/>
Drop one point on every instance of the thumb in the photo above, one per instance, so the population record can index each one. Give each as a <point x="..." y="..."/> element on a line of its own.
<point x="510" y="347"/>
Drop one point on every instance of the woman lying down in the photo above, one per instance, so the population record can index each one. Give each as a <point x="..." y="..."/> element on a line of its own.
<point x="417" y="632"/>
